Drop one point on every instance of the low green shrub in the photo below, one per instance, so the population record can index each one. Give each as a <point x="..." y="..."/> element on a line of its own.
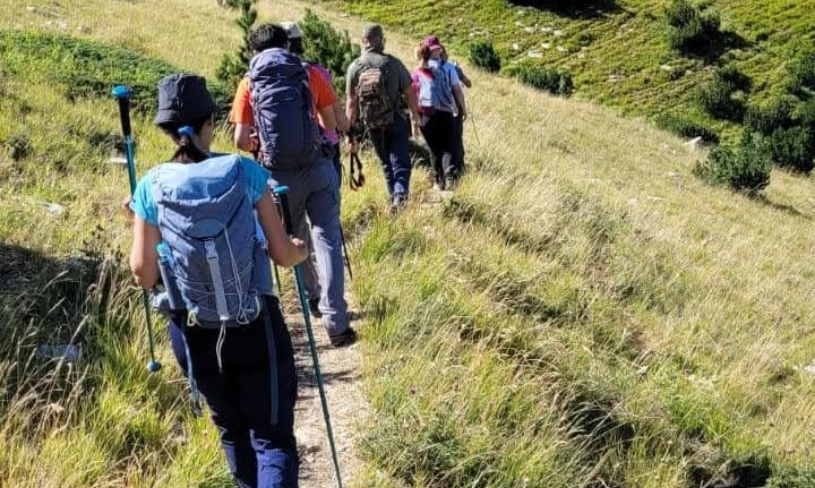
<point x="803" y="479"/>
<point x="802" y="74"/>
<point x="770" y="116"/>
<point x="789" y="126"/>
<point x="332" y="49"/>
<point x="794" y="148"/>
<point x="85" y="68"/>
<point x="692" y="28"/>
<point x="743" y="167"/>
<point x="725" y="96"/>
<point x="553" y="80"/>
<point x="684" y="126"/>
<point x="483" y="55"/>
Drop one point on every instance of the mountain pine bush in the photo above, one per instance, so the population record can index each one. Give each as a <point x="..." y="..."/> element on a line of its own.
<point x="725" y="96"/>
<point x="744" y="167"/>
<point x="234" y="66"/>
<point x="332" y="49"/>
<point x="692" y="28"/>
<point x="483" y="55"/>
<point x="553" y="80"/>
<point x="802" y="74"/>
<point x="789" y="125"/>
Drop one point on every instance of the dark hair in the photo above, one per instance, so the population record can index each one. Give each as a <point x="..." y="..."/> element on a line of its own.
<point x="187" y="151"/>
<point x="296" y="46"/>
<point x="267" y="36"/>
<point x="426" y="53"/>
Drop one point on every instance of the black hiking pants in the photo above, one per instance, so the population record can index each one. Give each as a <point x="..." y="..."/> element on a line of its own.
<point x="458" y="154"/>
<point x="439" y="131"/>
<point x="259" y="454"/>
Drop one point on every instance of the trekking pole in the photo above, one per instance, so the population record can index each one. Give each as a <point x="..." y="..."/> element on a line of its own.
<point x="475" y="129"/>
<point x="282" y="194"/>
<point x="122" y="94"/>
<point x="345" y="253"/>
<point x="274" y="264"/>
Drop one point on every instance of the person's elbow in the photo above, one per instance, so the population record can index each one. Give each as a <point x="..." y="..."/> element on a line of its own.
<point x="243" y="140"/>
<point x="145" y="274"/>
<point x="328" y="120"/>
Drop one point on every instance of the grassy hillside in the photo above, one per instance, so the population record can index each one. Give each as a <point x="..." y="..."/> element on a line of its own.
<point x="582" y="313"/>
<point x="616" y="50"/>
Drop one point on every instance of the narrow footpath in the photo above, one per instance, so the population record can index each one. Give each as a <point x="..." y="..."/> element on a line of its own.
<point x="342" y="374"/>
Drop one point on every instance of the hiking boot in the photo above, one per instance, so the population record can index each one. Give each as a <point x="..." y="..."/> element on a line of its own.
<point x="450" y="183"/>
<point x="347" y="338"/>
<point x="398" y="202"/>
<point x="314" y="308"/>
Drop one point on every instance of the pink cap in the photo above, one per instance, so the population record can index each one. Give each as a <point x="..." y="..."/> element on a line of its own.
<point x="432" y="42"/>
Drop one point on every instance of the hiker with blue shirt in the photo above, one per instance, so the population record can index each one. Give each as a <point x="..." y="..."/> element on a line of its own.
<point x="458" y="153"/>
<point x="195" y="228"/>
<point x="440" y="98"/>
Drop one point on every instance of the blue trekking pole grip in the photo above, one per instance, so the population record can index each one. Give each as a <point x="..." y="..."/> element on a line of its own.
<point x="282" y="194"/>
<point x="122" y="94"/>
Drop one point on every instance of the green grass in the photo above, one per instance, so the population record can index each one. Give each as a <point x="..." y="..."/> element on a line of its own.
<point x="618" y="53"/>
<point x="105" y="421"/>
<point x="582" y="313"/>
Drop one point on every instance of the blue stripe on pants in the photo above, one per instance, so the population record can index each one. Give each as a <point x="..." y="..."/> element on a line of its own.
<point x="259" y="454"/>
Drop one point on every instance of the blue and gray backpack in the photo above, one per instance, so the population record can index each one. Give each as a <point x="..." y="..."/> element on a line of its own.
<point x="283" y="111"/>
<point x="435" y="92"/>
<point x="212" y="264"/>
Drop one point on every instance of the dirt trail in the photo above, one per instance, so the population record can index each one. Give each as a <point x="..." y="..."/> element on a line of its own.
<point x="342" y="374"/>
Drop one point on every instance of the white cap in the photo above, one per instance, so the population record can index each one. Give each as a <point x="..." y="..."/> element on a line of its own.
<point x="292" y="30"/>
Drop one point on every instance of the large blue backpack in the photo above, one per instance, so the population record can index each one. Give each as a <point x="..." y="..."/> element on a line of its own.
<point x="207" y="226"/>
<point x="283" y="111"/>
<point x="212" y="263"/>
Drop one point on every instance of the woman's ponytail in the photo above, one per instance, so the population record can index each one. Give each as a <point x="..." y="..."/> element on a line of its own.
<point x="187" y="151"/>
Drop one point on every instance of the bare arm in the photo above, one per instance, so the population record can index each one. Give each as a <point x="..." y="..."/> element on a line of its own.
<point x="328" y="121"/>
<point x="459" y="94"/>
<point x="413" y="105"/>
<point x="243" y="138"/>
<point x="143" y="255"/>
<point x="343" y="124"/>
<point x="283" y="250"/>
<point x="352" y="109"/>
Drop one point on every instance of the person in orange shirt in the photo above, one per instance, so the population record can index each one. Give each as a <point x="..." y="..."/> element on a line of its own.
<point x="323" y="99"/>
<point x="314" y="184"/>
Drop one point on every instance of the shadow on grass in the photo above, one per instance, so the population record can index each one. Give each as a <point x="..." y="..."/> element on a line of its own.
<point x="713" y="50"/>
<point x="782" y="207"/>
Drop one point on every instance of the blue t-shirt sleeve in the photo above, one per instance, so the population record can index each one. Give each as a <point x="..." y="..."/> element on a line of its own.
<point x="142" y="203"/>
<point x="257" y="179"/>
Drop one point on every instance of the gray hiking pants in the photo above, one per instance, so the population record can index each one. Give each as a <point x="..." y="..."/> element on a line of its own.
<point x="314" y="191"/>
<point x="311" y="276"/>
